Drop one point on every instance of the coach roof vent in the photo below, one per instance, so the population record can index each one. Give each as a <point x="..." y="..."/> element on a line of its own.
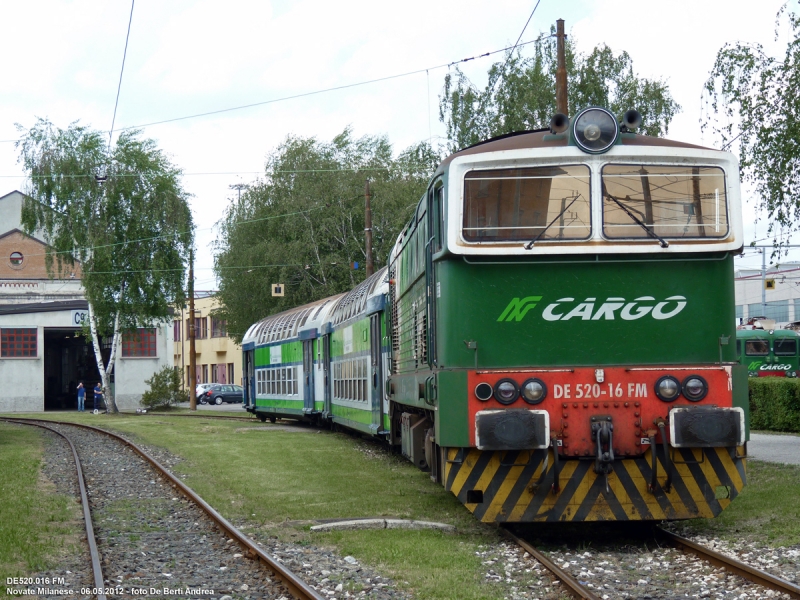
<point x="354" y="302"/>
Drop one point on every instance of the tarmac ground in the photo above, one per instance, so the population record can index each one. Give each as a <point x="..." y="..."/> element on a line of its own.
<point x="774" y="448"/>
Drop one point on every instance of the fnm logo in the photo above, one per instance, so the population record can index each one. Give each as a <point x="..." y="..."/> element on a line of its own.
<point x="517" y="308"/>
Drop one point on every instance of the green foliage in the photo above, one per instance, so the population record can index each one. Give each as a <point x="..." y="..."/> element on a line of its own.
<point x="164" y="389"/>
<point x="759" y="95"/>
<point x="131" y="233"/>
<point x="302" y="225"/>
<point x="775" y="404"/>
<point x="521" y="93"/>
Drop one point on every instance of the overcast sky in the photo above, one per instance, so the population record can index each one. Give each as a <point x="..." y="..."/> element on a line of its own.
<point x="62" y="61"/>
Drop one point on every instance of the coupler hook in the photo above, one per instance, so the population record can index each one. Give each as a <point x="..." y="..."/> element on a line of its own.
<point x="603" y="434"/>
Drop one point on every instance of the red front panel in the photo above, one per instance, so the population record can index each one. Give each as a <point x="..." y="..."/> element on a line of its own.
<point x="576" y="398"/>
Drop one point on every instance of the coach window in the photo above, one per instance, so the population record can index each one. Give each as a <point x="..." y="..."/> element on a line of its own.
<point x="785" y="347"/>
<point x="543" y="203"/>
<point x="669" y="201"/>
<point x="756" y="347"/>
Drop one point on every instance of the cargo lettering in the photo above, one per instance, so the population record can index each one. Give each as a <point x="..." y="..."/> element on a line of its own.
<point x="775" y="368"/>
<point x="611" y="309"/>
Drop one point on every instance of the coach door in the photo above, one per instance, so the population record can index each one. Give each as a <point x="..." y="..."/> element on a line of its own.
<point x="249" y="383"/>
<point x="308" y="376"/>
<point x="376" y="374"/>
<point x="326" y="374"/>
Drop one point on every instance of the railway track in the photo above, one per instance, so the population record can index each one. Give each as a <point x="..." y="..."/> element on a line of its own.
<point x="578" y="584"/>
<point x="188" y="541"/>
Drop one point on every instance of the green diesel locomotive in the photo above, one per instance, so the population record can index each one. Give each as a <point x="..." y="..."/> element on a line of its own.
<point x="553" y="337"/>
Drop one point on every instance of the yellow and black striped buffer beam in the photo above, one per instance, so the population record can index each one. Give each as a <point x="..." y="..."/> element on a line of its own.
<point x="527" y="486"/>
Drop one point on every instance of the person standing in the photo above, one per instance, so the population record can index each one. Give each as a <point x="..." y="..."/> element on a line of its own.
<point x="98" y="395"/>
<point x="81" y="396"/>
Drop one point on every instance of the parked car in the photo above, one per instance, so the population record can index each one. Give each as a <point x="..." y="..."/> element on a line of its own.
<point x="200" y="390"/>
<point x="220" y="392"/>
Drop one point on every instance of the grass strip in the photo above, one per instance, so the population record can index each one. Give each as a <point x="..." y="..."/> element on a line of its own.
<point x="768" y="509"/>
<point x="277" y="479"/>
<point x="37" y="525"/>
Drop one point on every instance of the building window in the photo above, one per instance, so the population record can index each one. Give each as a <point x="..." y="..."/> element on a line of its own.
<point x="176" y="331"/>
<point x="219" y="327"/>
<point x="777" y="311"/>
<point x="139" y="343"/>
<point x="230" y="373"/>
<point x="18" y="342"/>
<point x="200" y="328"/>
<point x="205" y="373"/>
<point x="16" y="259"/>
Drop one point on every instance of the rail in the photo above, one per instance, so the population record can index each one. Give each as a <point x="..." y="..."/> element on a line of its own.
<point x="298" y="588"/>
<point x="739" y="568"/>
<point x="573" y="586"/>
<point x="97" y="569"/>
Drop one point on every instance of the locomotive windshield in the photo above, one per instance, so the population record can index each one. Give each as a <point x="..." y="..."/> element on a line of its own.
<point x="668" y="201"/>
<point x="521" y="204"/>
<point x="756" y="348"/>
<point x="785" y="347"/>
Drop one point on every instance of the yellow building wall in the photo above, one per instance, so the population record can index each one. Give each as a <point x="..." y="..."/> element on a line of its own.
<point x="211" y="348"/>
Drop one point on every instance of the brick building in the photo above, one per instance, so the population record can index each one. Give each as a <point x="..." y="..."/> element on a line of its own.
<point x="41" y="350"/>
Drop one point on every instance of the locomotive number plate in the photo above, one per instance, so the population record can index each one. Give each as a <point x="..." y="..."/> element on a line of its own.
<point x="578" y="391"/>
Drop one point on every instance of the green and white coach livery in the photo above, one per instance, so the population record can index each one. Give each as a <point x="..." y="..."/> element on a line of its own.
<point x="325" y="361"/>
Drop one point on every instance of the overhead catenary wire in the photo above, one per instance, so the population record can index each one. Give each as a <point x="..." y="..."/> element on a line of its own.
<point x="170" y="235"/>
<point x="503" y="70"/>
<point x="121" y="71"/>
<point x="315" y="92"/>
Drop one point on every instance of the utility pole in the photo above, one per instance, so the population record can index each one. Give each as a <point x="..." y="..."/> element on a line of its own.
<point x="368" y="228"/>
<point x="562" y="102"/>
<point x="238" y="187"/>
<point x="192" y="356"/>
<point x="764" y="282"/>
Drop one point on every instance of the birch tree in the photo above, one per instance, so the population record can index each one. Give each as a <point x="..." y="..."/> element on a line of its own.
<point x="754" y="107"/>
<point x="121" y="212"/>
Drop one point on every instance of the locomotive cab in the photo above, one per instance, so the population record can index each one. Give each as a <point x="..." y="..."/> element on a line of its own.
<point x="563" y="325"/>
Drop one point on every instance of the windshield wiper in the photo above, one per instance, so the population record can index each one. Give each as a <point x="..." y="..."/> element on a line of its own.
<point x="530" y="244"/>
<point x="664" y="243"/>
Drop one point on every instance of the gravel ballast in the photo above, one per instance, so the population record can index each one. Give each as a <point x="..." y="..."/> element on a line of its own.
<point x="152" y="538"/>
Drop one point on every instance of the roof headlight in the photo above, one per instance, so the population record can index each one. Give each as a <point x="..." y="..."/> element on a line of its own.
<point x="595" y="130"/>
<point x="695" y="388"/>
<point x="506" y="391"/>
<point x="534" y="391"/>
<point x="668" y="388"/>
